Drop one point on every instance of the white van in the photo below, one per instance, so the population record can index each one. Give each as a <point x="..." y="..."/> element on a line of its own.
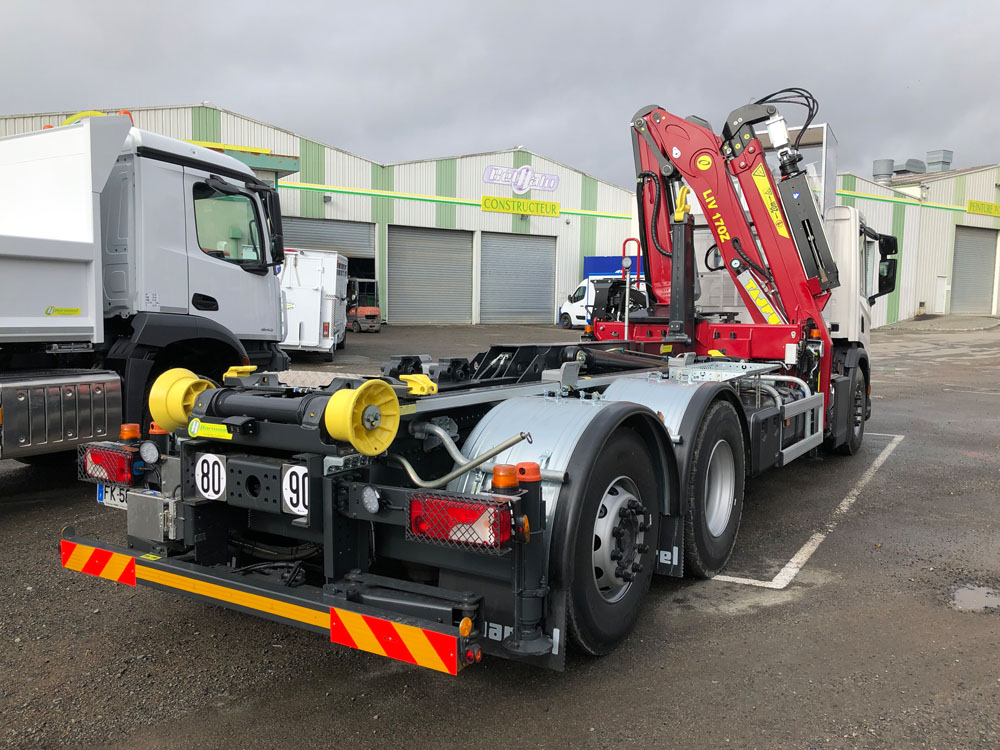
<point x="574" y="312"/>
<point x="314" y="284"/>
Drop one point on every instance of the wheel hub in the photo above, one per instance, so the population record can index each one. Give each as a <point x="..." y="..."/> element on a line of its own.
<point x="720" y="488"/>
<point x="619" y="538"/>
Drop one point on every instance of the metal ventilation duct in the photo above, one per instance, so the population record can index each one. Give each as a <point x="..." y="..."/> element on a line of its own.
<point x="882" y="171"/>
<point x="940" y="160"/>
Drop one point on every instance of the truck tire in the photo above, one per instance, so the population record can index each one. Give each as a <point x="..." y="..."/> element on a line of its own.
<point x="715" y="480"/>
<point x="342" y="342"/>
<point x="565" y="321"/>
<point x="859" y="395"/>
<point x="619" y="515"/>
<point x="356" y="327"/>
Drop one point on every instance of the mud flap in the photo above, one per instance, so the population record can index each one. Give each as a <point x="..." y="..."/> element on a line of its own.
<point x="670" y="547"/>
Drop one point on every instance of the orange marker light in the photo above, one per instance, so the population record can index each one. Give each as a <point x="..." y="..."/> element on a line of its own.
<point x="129" y="431"/>
<point x="504" y="476"/>
<point x="465" y="627"/>
<point x="815" y="333"/>
<point x="155" y="429"/>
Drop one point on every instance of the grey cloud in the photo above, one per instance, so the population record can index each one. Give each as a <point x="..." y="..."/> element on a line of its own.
<point x="403" y="80"/>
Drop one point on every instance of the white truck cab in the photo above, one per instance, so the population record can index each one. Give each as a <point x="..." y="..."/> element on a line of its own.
<point x="124" y="253"/>
<point x="867" y="272"/>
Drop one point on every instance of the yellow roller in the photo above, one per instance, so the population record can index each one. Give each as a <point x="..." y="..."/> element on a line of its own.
<point x="366" y="417"/>
<point x="172" y="397"/>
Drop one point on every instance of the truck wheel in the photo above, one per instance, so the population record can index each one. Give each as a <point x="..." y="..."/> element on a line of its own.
<point x="340" y="344"/>
<point x="714" y="492"/>
<point x="565" y="321"/>
<point x="614" y="547"/>
<point x="859" y="394"/>
<point x="356" y="327"/>
<point x="378" y="328"/>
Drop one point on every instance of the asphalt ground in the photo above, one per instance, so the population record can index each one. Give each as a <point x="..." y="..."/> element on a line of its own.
<point x="853" y="641"/>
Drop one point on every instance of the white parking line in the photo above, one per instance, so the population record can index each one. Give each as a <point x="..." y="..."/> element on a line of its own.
<point x="787" y="574"/>
<point x="984" y="393"/>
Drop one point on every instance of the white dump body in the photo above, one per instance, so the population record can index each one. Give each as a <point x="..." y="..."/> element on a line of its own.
<point x="50" y="230"/>
<point x="314" y="283"/>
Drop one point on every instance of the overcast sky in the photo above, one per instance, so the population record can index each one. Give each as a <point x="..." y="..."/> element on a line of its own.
<point x="395" y="81"/>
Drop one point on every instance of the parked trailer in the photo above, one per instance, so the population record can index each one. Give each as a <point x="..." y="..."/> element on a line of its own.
<point x="314" y="283"/>
<point x="513" y="503"/>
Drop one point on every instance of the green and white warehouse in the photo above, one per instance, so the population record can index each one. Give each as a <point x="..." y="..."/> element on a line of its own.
<point x="484" y="238"/>
<point x="500" y="237"/>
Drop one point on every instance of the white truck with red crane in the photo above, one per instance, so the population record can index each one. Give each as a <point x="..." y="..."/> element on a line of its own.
<point x="513" y="503"/>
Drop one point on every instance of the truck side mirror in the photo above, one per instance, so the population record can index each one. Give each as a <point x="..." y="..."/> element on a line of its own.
<point x="886" y="276"/>
<point x="277" y="249"/>
<point x="887" y="246"/>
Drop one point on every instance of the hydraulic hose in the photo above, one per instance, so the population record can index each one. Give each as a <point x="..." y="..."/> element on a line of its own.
<point x="463" y="468"/>
<point x="647" y="175"/>
<point x="460" y="458"/>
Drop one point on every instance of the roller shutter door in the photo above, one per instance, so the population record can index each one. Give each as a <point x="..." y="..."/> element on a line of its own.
<point x="430" y="276"/>
<point x="973" y="271"/>
<point x="517" y="279"/>
<point x="353" y="239"/>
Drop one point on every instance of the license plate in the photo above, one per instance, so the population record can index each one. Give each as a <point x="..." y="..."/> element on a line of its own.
<point x="112" y="496"/>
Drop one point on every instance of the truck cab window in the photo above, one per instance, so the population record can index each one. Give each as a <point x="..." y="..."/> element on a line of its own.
<point x="227" y="226"/>
<point x="577" y="295"/>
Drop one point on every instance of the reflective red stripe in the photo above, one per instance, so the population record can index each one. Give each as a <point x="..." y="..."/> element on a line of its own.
<point x="66" y="549"/>
<point x="389" y="639"/>
<point x="338" y="631"/>
<point x="128" y="575"/>
<point x="446" y="647"/>
<point x="98" y="559"/>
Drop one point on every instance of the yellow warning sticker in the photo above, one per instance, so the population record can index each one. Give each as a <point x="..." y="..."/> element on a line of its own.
<point x="150" y="556"/>
<point x="197" y="428"/>
<point x="666" y="348"/>
<point x="760" y="299"/>
<point x="69" y="311"/>
<point x="703" y="162"/>
<point x="770" y="199"/>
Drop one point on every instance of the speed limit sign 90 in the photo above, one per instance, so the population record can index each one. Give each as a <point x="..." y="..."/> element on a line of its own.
<point x="295" y="490"/>
<point x="210" y="476"/>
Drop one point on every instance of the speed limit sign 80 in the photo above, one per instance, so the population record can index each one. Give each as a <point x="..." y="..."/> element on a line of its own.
<point x="295" y="489"/>
<point x="210" y="476"/>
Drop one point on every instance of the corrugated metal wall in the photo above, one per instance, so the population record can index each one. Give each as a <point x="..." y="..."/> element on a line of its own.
<point x="927" y="227"/>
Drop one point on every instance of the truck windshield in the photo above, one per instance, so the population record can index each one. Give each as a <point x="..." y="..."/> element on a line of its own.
<point x="227" y="226"/>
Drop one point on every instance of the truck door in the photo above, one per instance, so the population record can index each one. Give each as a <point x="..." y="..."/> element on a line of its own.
<point x="227" y="279"/>
<point x="868" y="273"/>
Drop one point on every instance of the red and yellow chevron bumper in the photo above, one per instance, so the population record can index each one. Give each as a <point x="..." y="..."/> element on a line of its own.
<point x="438" y="647"/>
<point x="98" y="562"/>
<point x="399" y="641"/>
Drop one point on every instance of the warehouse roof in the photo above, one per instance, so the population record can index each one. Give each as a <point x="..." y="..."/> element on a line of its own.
<point x="210" y="105"/>
<point x="921" y="177"/>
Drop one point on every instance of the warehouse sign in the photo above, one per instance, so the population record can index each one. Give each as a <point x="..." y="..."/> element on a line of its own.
<point x="520" y="179"/>
<point x="983" y="207"/>
<point x="519" y="206"/>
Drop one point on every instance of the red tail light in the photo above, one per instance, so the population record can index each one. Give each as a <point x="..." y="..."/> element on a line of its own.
<point x="460" y="521"/>
<point x="110" y="464"/>
<point x="326" y="330"/>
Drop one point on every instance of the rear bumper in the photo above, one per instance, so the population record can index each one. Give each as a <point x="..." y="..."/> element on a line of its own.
<point x="413" y="640"/>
